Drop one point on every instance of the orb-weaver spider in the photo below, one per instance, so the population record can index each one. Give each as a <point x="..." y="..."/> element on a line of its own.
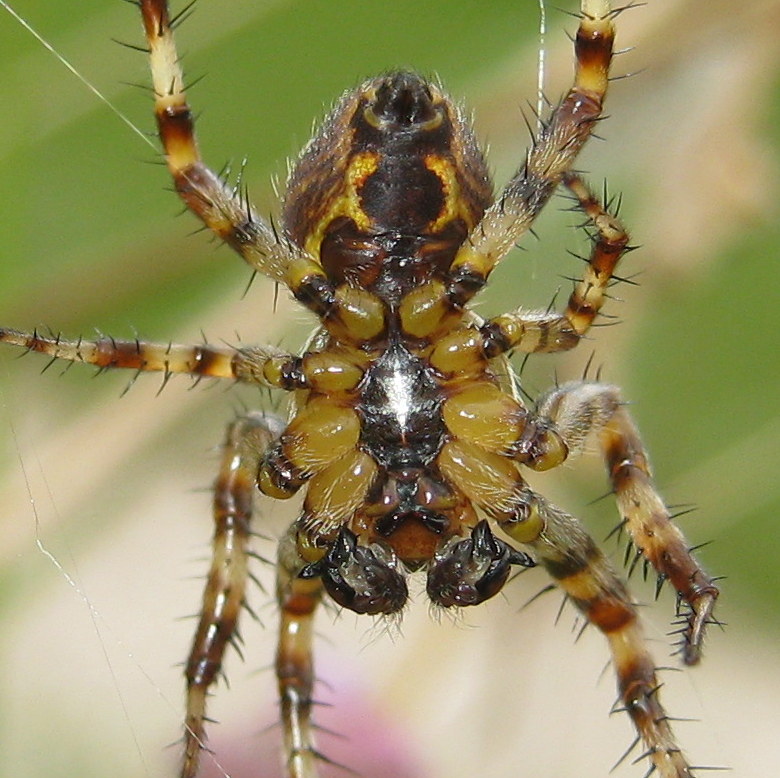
<point x="407" y="432"/>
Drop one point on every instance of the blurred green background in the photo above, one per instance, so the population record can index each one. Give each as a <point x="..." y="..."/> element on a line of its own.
<point x="90" y="242"/>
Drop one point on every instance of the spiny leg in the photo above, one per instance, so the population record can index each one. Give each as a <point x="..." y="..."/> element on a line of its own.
<point x="546" y="331"/>
<point x="549" y="159"/>
<point x="224" y="593"/>
<point x="609" y="245"/>
<point x="226" y="209"/>
<point x="263" y="365"/>
<point x="298" y="599"/>
<point x="202" y="360"/>
<point x="222" y="208"/>
<point x="653" y="532"/>
<point x="580" y="408"/>
<point x="583" y="572"/>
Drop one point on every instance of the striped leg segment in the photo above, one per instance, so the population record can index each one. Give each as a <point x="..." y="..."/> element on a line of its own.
<point x="222" y="208"/>
<point x="298" y="600"/>
<point x="578" y="409"/>
<point x="582" y="571"/>
<point x="224" y="594"/>
<point x="657" y="539"/>
<point x="609" y="245"/>
<point x="263" y="365"/>
<point x="551" y="156"/>
<point x="543" y="331"/>
<point x="530" y="332"/>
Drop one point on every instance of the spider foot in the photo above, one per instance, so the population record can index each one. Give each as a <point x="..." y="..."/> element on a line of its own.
<point x="695" y="622"/>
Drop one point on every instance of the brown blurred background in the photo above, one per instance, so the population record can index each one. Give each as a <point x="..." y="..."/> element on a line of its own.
<point x="117" y="487"/>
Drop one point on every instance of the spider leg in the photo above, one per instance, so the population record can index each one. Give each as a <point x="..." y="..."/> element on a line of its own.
<point x="223" y="209"/>
<point x="264" y="365"/>
<point x="609" y="245"/>
<point x="545" y="331"/>
<point x="549" y="159"/>
<point x="226" y="210"/>
<point x="571" y="557"/>
<point x="298" y="599"/>
<point x="225" y="590"/>
<point x="579" y="408"/>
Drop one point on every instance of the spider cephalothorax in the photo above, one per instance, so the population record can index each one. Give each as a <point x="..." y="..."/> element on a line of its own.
<point x="406" y="434"/>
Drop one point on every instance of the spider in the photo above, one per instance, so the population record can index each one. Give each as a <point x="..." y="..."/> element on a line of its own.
<point x="406" y="433"/>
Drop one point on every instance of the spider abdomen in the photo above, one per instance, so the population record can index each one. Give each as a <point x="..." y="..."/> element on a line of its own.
<point x="393" y="166"/>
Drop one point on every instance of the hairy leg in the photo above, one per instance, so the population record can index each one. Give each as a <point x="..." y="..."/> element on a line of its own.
<point x="578" y="409"/>
<point x="225" y="590"/>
